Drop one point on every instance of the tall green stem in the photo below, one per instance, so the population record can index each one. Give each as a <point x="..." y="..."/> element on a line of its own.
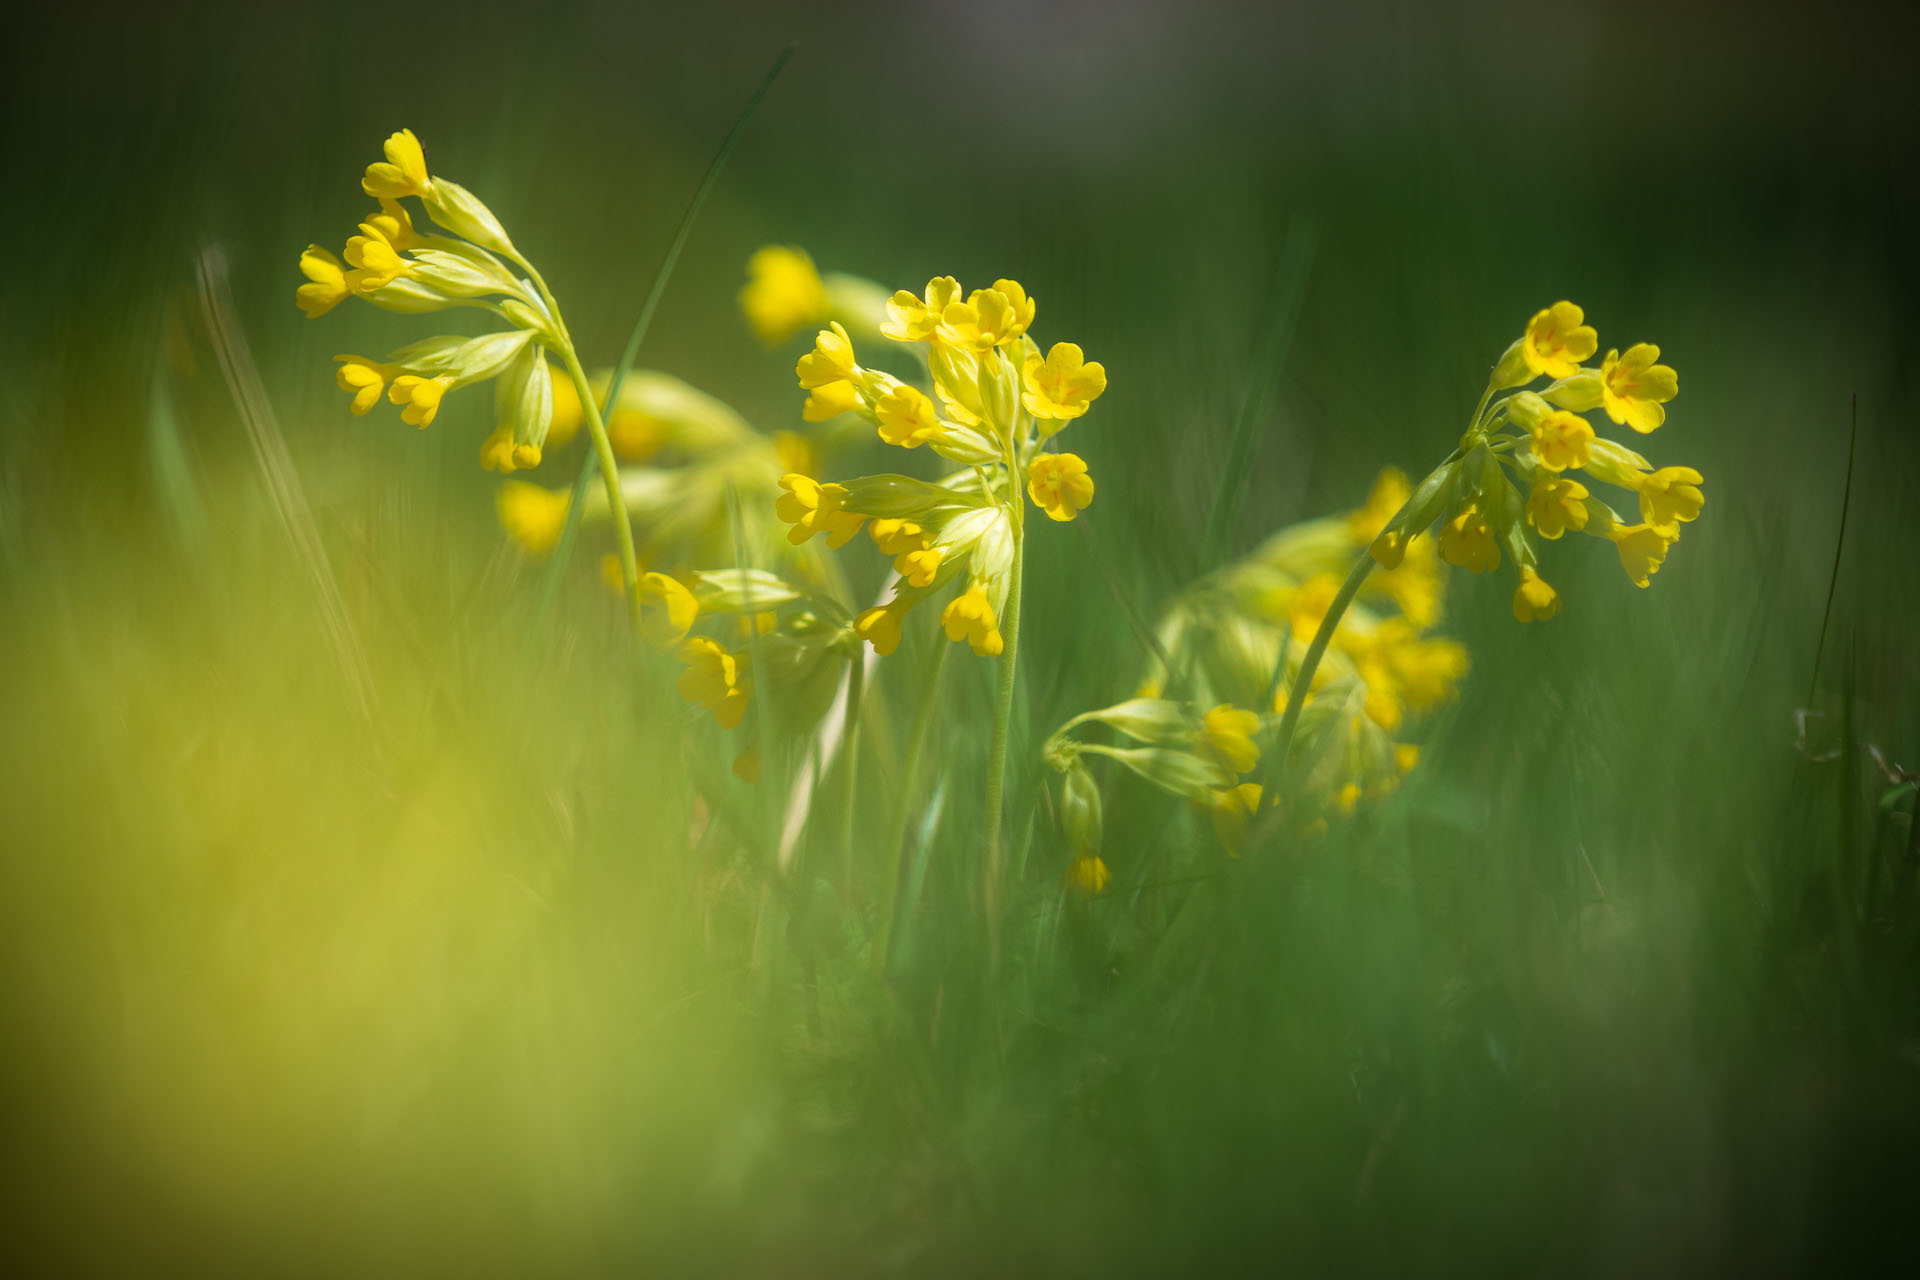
<point x="849" y="771"/>
<point x="1297" y="695"/>
<point x="610" y="470"/>
<point x="1002" y="723"/>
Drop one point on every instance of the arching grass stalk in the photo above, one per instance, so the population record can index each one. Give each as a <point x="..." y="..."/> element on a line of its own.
<point x="602" y="454"/>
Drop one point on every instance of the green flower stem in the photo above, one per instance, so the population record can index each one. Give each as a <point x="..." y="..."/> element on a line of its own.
<point x="891" y="907"/>
<point x="610" y="470"/>
<point x="849" y="771"/>
<point x="1002" y="722"/>
<point x="1297" y="696"/>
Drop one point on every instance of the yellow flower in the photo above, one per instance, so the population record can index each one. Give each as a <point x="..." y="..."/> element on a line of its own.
<point x="1088" y="875"/>
<point x="669" y="609"/>
<point x="906" y="417"/>
<point x="1226" y="734"/>
<point x="988" y="318"/>
<point x="1233" y="808"/>
<point x="970" y="617"/>
<point x="375" y="262"/>
<point x="794" y="452"/>
<point x="532" y="516"/>
<point x="1467" y="541"/>
<point x="1059" y="484"/>
<point x="634" y="435"/>
<point x="1557" y="505"/>
<point x="498" y="452"/>
<point x="395" y="226"/>
<point x="811" y="507"/>
<point x="612" y="574"/>
<point x="1669" y="497"/>
<point x="1633" y="387"/>
<point x="830" y="401"/>
<point x="1561" y="440"/>
<point x="1424" y="672"/>
<point x="1415" y="585"/>
<point x="1557" y="340"/>
<point x="1390" y="548"/>
<point x="1062" y="385"/>
<point x="783" y="293"/>
<point x="1534" y="600"/>
<point x="404" y="173"/>
<point x="1642" y="550"/>
<point x="880" y="626"/>
<point x="1405" y="756"/>
<point x="919" y="567"/>
<point x="326" y="286"/>
<point x="420" y="397"/>
<point x="896" y="537"/>
<point x="714" y="678"/>
<point x="911" y="319"/>
<point x="364" y="380"/>
<point x="1309" y="604"/>
<point x="567" y="413"/>
<point x="1390" y="493"/>
<point x="830" y="361"/>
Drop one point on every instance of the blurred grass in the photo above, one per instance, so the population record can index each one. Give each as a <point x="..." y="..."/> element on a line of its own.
<point x="1621" y="981"/>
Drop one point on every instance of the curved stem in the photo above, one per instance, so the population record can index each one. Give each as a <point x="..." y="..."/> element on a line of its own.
<point x="610" y="470"/>
<point x="1297" y="695"/>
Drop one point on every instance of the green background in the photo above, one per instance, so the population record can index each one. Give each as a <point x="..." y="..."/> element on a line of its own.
<point x="459" y="976"/>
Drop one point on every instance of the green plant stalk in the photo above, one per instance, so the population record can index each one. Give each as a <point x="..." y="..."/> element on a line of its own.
<point x="1002" y="723"/>
<point x="891" y="905"/>
<point x="1297" y="695"/>
<point x="849" y="771"/>
<point x="616" y="500"/>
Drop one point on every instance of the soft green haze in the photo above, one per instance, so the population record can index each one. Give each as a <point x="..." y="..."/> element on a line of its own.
<point x="444" y="942"/>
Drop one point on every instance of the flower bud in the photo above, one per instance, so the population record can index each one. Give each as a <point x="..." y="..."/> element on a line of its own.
<point x="461" y="212"/>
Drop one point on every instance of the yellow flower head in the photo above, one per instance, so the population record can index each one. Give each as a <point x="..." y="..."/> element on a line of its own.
<point x="911" y="319"/>
<point x="1634" y="386"/>
<point x="1557" y="340"/>
<point x="1467" y="542"/>
<point x="830" y="361"/>
<point x="1642" y="548"/>
<point x="880" y="626"/>
<point x="669" y="608"/>
<point x="1064" y="384"/>
<point x="364" y="380"/>
<point x="896" y="537"/>
<point x="418" y="397"/>
<point x="326" y="286"/>
<point x="1534" y="600"/>
<point x="1059" y="484"/>
<point x="499" y="452"/>
<point x="919" y="567"/>
<point x="567" y="413"/>
<point x="403" y="173"/>
<point x="830" y="401"/>
<point x="1561" y="440"/>
<point x="783" y="293"/>
<point x="906" y="417"/>
<point x="1233" y="808"/>
<point x="375" y="262"/>
<point x="811" y="507"/>
<point x="532" y="516"/>
<point x="989" y="318"/>
<point x="1670" y="497"/>
<point x="634" y="435"/>
<point x="1424" y="671"/>
<point x="1088" y="875"/>
<point x="1557" y="505"/>
<point x="1226" y="734"/>
<point x="715" y="679"/>
<point x="1390" y="492"/>
<point x="970" y="617"/>
<point x="395" y="225"/>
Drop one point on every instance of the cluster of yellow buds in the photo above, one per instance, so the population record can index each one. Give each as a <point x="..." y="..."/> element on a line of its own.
<point x="400" y="268"/>
<point x="1542" y="437"/>
<point x="996" y="402"/>
<point x="1235" y="640"/>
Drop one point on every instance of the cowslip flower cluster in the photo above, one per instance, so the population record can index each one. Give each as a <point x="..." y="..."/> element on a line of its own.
<point x="1517" y="476"/>
<point x="1234" y="642"/>
<point x="996" y="402"/>
<point x="398" y="266"/>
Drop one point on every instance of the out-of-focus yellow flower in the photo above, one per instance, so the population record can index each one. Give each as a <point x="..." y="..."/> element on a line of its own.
<point x="896" y="537"/>
<point x="830" y="361"/>
<point x="969" y="616"/>
<point x="500" y="453"/>
<point x="1467" y="541"/>
<point x="1534" y="600"/>
<point x="364" y="380"/>
<point x="375" y="262"/>
<point x="634" y="435"/>
<point x="783" y="294"/>
<point x="533" y="516"/>
<point x="795" y="452"/>
<point x="1233" y="808"/>
<point x="403" y="173"/>
<point x="1390" y="492"/>
<point x="1059" y="484"/>
<point x="1309" y="604"/>
<point x="567" y="413"/>
<point x="418" y="397"/>
<point x="811" y="507"/>
<point x="1405" y="756"/>
<point x="1669" y="497"/>
<point x="326" y="286"/>
<point x="1635" y="386"/>
<point x="1557" y="340"/>
<point x="1642" y="548"/>
<point x="988" y="318"/>
<point x="911" y="319"/>
<point x="1226" y="734"/>
<point x="830" y="401"/>
<point x="1562" y="440"/>
<point x="880" y="627"/>
<point x="1088" y="875"/>
<point x="1557" y="505"/>
<point x="906" y="416"/>
<point x="669" y="608"/>
<point x="1064" y="384"/>
<point x="715" y="679"/>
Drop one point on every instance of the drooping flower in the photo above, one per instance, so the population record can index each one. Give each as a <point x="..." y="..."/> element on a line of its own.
<point x="1226" y="734"/>
<point x="1467" y="541"/>
<point x="375" y="262"/>
<point x="969" y="616"/>
<point x="418" y="397"/>
<point x="1059" y="484"/>
<point x="811" y="507"/>
<point x="1534" y="600"/>
<point x="880" y="627"/>
<point x="670" y="609"/>
<point x="326" y="286"/>
<point x="830" y="361"/>
<point x="906" y="416"/>
<point x="1556" y="505"/>
<point x="1635" y="387"/>
<point x="364" y="380"/>
<point x="403" y="173"/>
<point x="715" y="678"/>
<point x="1670" y="497"/>
<point x="1088" y="875"/>
<point x="1643" y="549"/>
<point x="1064" y="384"/>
